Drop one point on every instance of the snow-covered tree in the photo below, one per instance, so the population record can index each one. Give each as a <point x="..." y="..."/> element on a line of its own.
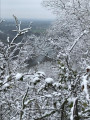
<point x="70" y="33"/>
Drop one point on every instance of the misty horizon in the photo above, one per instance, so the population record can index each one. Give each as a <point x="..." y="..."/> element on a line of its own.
<point x="28" y="19"/>
<point x="25" y="9"/>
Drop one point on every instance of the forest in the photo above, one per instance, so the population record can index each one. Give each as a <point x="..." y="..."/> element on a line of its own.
<point x="45" y="67"/>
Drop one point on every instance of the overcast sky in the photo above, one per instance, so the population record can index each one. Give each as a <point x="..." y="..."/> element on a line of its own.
<point x="25" y="9"/>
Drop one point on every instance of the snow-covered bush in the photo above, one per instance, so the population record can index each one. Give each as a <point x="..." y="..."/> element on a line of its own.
<point x="9" y="77"/>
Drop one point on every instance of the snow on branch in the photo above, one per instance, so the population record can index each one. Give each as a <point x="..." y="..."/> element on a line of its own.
<point x="18" y="29"/>
<point x="23" y="103"/>
<point x="85" y="86"/>
<point x="73" y="108"/>
<point x="75" y="42"/>
<point x="46" y="115"/>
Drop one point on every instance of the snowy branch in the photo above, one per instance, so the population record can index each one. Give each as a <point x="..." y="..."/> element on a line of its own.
<point x="75" y="42"/>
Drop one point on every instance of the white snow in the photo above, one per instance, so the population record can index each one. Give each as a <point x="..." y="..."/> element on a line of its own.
<point x="85" y="31"/>
<point x="88" y="67"/>
<point x="35" y="79"/>
<point x="56" y="84"/>
<point x="71" y="99"/>
<point x="41" y="74"/>
<point x="41" y="87"/>
<point x="18" y="76"/>
<point x="75" y="42"/>
<point x="1" y="81"/>
<point x="26" y="102"/>
<point x="72" y="109"/>
<point x="56" y="94"/>
<point x="49" y="80"/>
<point x="5" y="85"/>
<point x="6" y="79"/>
<point x="48" y="96"/>
<point x="84" y="83"/>
<point x="69" y="4"/>
<point x="7" y="39"/>
<point x="69" y="87"/>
